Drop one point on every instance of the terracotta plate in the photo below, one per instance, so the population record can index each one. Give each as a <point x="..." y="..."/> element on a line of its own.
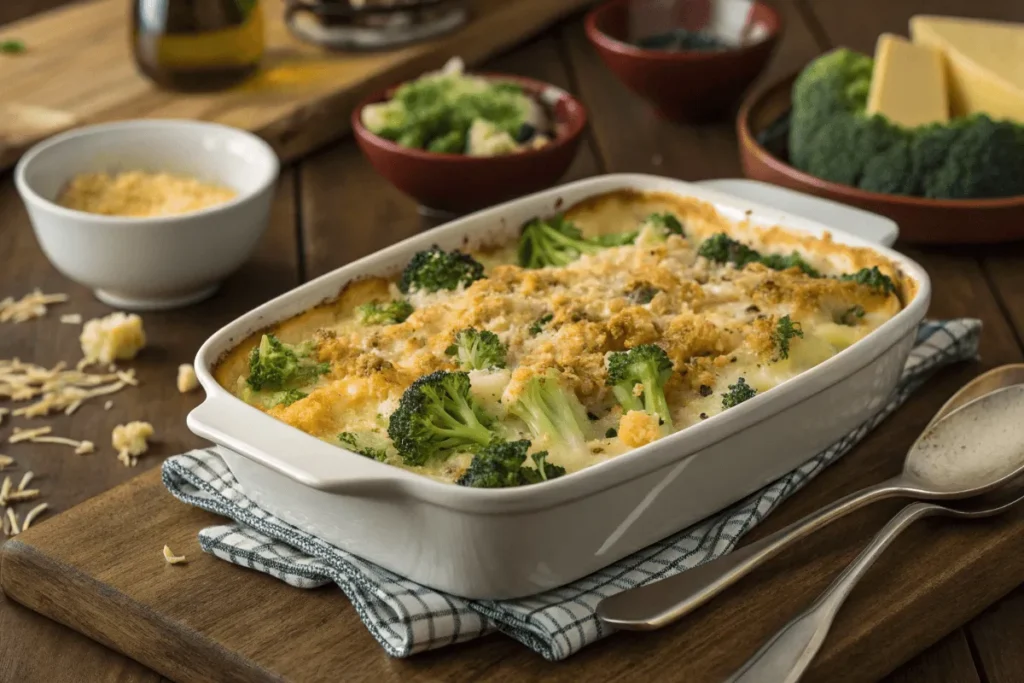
<point x="921" y="221"/>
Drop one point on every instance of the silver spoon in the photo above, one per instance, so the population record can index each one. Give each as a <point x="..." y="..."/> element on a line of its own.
<point x="660" y="603"/>
<point x="785" y="657"/>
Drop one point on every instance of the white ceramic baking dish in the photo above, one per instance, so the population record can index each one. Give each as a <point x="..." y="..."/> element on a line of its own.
<point x="512" y="542"/>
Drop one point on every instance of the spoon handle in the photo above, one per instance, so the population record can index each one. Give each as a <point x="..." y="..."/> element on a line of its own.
<point x="787" y="655"/>
<point x="663" y="602"/>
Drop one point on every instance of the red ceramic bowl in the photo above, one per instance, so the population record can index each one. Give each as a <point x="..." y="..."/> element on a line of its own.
<point x="456" y="183"/>
<point x="690" y="86"/>
<point x="921" y="220"/>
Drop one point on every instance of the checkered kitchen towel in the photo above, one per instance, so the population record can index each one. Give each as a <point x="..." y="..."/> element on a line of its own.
<point x="407" y="618"/>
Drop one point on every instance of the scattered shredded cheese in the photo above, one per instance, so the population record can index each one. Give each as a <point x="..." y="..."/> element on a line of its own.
<point x="71" y="319"/>
<point x="57" y="389"/>
<point x="20" y="435"/>
<point x="118" y="336"/>
<point x="30" y="306"/>
<point x="33" y="513"/>
<point x="3" y="412"/>
<point x="171" y="558"/>
<point x="5" y="490"/>
<point x="187" y="380"/>
<point x="130" y="441"/>
<point x="108" y="405"/>
<point x="19" y="495"/>
<point x="25" y="480"/>
<point x="15" y="530"/>
<point x="5" y="460"/>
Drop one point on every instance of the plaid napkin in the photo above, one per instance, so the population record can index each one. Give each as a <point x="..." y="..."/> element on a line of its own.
<point x="407" y="618"/>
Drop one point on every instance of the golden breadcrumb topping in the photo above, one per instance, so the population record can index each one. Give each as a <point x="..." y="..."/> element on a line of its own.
<point x="716" y="322"/>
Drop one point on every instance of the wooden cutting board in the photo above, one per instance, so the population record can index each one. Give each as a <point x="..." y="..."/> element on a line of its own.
<point x="78" y="69"/>
<point x="98" y="568"/>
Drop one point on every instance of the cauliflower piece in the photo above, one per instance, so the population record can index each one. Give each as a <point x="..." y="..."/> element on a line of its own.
<point x="638" y="428"/>
<point x="118" y="336"/>
<point x="485" y="140"/>
<point x="187" y="380"/>
<point x="130" y="441"/>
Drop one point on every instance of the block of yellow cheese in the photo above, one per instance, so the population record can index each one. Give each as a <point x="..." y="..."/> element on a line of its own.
<point x="908" y="85"/>
<point x="984" y="61"/>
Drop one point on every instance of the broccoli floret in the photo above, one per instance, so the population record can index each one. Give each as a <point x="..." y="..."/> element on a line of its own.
<point x="793" y="260"/>
<point x="724" y="249"/>
<point x="832" y="137"/>
<point x="478" y="350"/>
<point x="872" y="277"/>
<point x="552" y="412"/>
<point x="285" y="398"/>
<point x="376" y="313"/>
<point x="369" y="444"/>
<point x="738" y="393"/>
<point x="616" y="239"/>
<point x="785" y="331"/>
<point x="850" y="315"/>
<point x="641" y="292"/>
<point x="552" y="242"/>
<point x="666" y="222"/>
<point x="500" y="465"/>
<point x="538" y="325"/>
<point x="435" y="269"/>
<point x="437" y="417"/>
<point x="453" y="142"/>
<point x="649" y="366"/>
<point x="278" y="366"/>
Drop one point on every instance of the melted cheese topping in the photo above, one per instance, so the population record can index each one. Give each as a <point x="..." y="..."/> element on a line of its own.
<point x="716" y="322"/>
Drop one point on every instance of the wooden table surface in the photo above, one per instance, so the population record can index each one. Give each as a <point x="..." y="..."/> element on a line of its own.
<point x="332" y="208"/>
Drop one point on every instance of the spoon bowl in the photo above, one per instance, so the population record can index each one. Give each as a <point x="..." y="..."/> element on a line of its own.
<point x="925" y="476"/>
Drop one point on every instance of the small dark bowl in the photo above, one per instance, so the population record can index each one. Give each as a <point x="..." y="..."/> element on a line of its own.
<point x="456" y="183"/>
<point x="921" y="220"/>
<point x="690" y="86"/>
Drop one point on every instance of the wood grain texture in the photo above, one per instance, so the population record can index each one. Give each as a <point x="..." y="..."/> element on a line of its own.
<point x="997" y="635"/>
<point x="300" y="99"/>
<point x="948" y="661"/>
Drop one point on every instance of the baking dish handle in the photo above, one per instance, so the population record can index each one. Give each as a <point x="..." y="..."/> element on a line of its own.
<point x="289" y="451"/>
<point x="864" y="224"/>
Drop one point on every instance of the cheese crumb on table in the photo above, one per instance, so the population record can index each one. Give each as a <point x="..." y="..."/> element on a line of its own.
<point x="72" y="319"/>
<point x="130" y="441"/>
<point x="138" y="193"/>
<point x="171" y="558"/>
<point x="187" y="380"/>
<point x="118" y="336"/>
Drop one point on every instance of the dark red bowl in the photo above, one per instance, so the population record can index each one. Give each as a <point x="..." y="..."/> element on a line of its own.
<point x="691" y="86"/>
<point x="456" y="183"/>
<point x="921" y="220"/>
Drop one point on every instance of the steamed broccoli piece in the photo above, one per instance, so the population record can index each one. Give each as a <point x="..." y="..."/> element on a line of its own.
<point x="500" y="465"/>
<point x="666" y="222"/>
<point x="278" y="366"/>
<point x="285" y="398"/>
<point x="435" y="269"/>
<point x="478" y="350"/>
<point x="552" y="413"/>
<point x="649" y="366"/>
<point x="552" y="242"/>
<point x="785" y="262"/>
<point x="389" y="313"/>
<point x="832" y="137"/>
<point x="872" y="277"/>
<point x="368" y="444"/>
<point x="785" y="331"/>
<point x="737" y="394"/>
<point x="453" y="142"/>
<point x="724" y="249"/>
<point x="616" y="239"/>
<point x="437" y="417"/>
<point x="851" y="315"/>
<point x="538" y="325"/>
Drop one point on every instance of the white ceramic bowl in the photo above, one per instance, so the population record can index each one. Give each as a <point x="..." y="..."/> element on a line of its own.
<point x="159" y="262"/>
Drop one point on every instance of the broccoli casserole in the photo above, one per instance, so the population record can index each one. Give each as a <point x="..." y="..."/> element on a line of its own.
<point x="625" y="318"/>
